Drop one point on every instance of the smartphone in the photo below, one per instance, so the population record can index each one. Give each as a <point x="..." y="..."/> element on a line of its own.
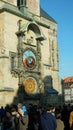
<point x="24" y="109"/>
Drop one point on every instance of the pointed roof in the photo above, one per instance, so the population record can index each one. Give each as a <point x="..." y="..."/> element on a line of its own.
<point x="46" y="15"/>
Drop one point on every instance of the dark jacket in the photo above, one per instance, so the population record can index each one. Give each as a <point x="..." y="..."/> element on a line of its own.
<point x="48" y="121"/>
<point x="8" y="124"/>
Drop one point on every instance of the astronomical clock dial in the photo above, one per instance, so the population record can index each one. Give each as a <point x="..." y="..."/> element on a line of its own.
<point x="29" y="59"/>
<point x="30" y="85"/>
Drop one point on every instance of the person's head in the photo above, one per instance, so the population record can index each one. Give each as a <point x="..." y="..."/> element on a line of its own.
<point x="14" y="110"/>
<point x="51" y="109"/>
<point x="8" y="114"/>
<point x="19" y="105"/>
<point x="20" y="110"/>
<point x="57" y="113"/>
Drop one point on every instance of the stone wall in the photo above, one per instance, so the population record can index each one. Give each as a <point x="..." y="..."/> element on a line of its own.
<point x="9" y="42"/>
<point x="14" y="2"/>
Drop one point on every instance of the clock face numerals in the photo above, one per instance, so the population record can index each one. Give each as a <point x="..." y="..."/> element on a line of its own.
<point x="29" y="59"/>
<point x="30" y="85"/>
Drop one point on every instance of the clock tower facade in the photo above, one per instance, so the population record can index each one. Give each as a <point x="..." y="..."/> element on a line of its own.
<point x="29" y="58"/>
<point x="28" y="52"/>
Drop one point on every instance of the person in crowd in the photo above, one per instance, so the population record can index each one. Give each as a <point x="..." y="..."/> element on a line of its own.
<point x="8" y="121"/>
<point x="21" y="120"/>
<point x="2" y="113"/>
<point x="65" y="117"/>
<point x="60" y="124"/>
<point x="48" y="120"/>
<point x="71" y="118"/>
<point x="34" y="118"/>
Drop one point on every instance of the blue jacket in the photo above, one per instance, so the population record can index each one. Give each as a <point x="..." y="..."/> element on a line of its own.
<point x="48" y="121"/>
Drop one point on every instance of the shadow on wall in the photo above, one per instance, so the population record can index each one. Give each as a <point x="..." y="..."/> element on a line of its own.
<point x="25" y="98"/>
<point x="22" y="96"/>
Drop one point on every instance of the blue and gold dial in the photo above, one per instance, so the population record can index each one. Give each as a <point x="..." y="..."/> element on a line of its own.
<point x="29" y="59"/>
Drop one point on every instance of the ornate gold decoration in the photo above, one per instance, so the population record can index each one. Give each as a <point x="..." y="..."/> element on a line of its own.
<point x="30" y="85"/>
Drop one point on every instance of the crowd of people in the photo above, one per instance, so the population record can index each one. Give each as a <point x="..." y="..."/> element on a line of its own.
<point x="34" y="117"/>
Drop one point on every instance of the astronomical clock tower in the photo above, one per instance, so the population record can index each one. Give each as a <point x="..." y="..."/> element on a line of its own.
<point x="29" y="60"/>
<point x="29" y="37"/>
